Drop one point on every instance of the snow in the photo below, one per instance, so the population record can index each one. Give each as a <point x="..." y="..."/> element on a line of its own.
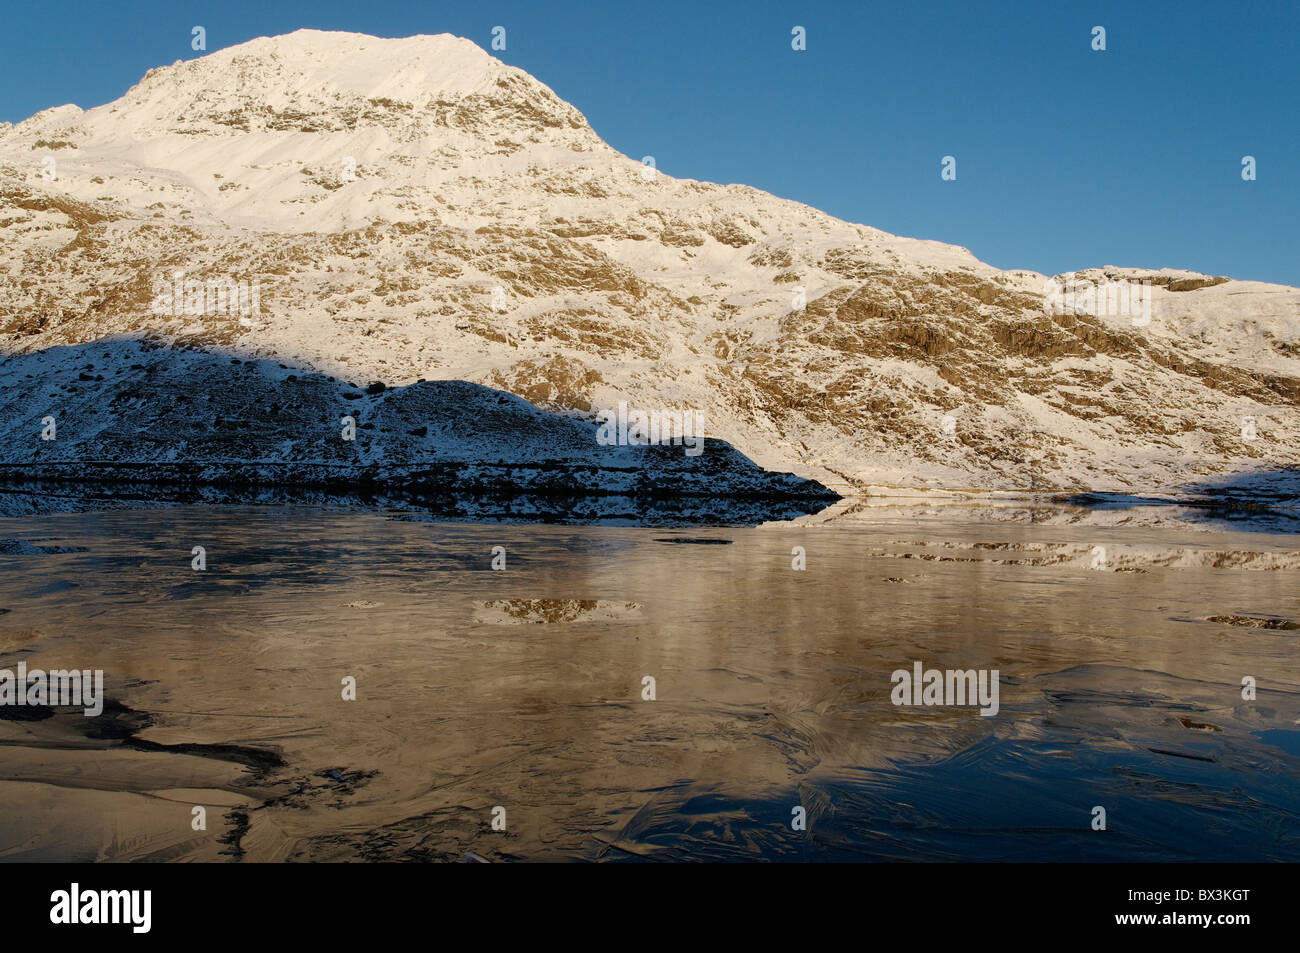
<point x="382" y="189"/>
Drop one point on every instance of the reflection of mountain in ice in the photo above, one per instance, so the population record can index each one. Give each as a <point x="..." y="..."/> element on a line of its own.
<point x="1122" y="689"/>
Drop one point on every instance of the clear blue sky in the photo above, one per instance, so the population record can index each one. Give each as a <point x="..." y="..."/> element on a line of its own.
<point x="1066" y="158"/>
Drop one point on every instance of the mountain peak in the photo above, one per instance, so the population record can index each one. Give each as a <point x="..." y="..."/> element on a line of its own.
<point x="405" y="67"/>
<point x="322" y="81"/>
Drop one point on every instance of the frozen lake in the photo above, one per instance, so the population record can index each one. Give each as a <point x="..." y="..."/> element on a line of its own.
<point x="1120" y="654"/>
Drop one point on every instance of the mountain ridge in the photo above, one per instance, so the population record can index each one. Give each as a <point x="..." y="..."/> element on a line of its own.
<point x="485" y="232"/>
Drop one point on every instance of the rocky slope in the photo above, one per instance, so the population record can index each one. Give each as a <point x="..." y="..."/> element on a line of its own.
<point x="416" y="210"/>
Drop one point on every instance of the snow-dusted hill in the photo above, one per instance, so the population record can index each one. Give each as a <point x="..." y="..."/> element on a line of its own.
<point x="414" y="209"/>
<point x="187" y="417"/>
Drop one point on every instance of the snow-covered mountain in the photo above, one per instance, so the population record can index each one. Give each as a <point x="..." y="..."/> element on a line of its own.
<point x="407" y="210"/>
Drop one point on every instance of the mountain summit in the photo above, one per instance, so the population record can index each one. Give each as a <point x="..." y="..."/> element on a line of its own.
<point x="414" y="209"/>
<point x="316" y="82"/>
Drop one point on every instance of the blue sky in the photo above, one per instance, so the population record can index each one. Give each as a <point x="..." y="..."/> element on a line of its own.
<point x="1066" y="158"/>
